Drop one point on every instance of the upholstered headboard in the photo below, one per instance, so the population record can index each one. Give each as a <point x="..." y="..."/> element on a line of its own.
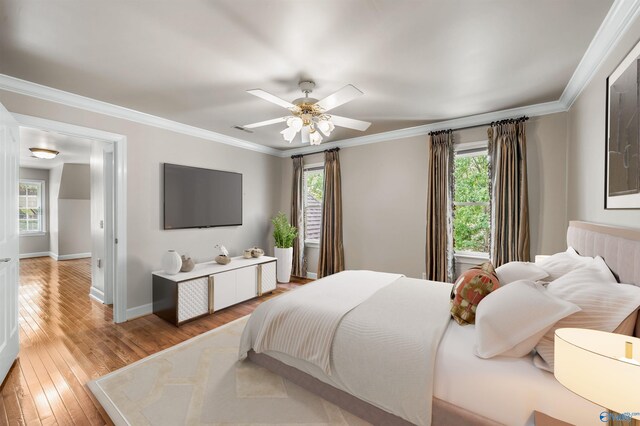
<point x="619" y="247"/>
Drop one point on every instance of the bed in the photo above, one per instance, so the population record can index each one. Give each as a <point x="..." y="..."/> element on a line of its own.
<point x="464" y="389"/>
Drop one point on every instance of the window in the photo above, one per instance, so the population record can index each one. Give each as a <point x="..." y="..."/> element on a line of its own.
<point x="472" y="218"/>
<point x="31" y="206"/>
<point x="313" y="195"/>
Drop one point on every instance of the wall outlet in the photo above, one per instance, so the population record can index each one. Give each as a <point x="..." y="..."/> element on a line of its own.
<point x="424" y="275"/>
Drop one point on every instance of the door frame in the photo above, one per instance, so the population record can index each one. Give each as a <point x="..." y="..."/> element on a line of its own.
<point x="117" y="245"/>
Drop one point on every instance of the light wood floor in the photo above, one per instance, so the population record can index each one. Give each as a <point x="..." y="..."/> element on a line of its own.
<point x="66" y="340"/>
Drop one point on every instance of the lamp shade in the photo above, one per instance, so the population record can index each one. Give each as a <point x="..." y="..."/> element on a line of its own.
<point x="594" y="365"/>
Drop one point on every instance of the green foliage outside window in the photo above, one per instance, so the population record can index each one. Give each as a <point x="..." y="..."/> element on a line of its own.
<point x="471" y="202"/>
<point x="315" y="184"/>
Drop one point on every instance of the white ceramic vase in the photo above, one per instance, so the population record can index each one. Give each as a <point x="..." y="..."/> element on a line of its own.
<point x="171" y="262"/>
<point x="285" y="263"/>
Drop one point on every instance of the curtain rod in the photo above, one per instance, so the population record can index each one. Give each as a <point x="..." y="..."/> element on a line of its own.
<point x="493" y="123"/>
<point x="317" y="152"/>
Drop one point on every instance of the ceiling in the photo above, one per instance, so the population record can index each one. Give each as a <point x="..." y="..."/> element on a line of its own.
<point x="72" y="149"/>
<point x="417" y="62"/>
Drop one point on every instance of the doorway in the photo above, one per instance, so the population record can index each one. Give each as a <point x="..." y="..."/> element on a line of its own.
<point x="72" y="206"/>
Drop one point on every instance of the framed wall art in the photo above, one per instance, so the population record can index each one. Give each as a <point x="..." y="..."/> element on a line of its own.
<point x="622" y="163"/>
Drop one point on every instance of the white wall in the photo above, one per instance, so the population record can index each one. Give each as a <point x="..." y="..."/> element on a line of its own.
<point x="70" y="211"/>
<point x="37" y="244"/>
<point x="384" y="190"/>
<point x="147" y="148"/>
<point x="587" y="145"/>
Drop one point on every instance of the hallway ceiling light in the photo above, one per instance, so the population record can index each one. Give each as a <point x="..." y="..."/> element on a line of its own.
<point x="45" y="154"/>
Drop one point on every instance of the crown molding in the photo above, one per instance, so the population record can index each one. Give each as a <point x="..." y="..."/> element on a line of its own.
<point x="621" y="15"/>
<point x="456" y="123"/>
<point x="23" y="87"/>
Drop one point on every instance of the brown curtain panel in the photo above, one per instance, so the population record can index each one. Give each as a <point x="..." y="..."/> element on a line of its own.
<point x="297" y="217"/>
<point x="439" y="251"/>
<point x="331" y="250"/>
<point x="509" y="193"/>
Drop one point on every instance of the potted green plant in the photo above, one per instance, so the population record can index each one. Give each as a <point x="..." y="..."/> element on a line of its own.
<point x="284" y="234"/>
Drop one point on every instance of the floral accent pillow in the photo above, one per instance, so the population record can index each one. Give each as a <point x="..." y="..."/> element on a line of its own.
<point x="470" y="288"/>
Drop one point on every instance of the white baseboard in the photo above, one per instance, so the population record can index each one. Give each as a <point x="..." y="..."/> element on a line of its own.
<point x="97" y="295"/>
<point x="70" y="256"/>
<point x="139" y="311"/>
<point x="312" y="275"/>
<point x="37" y="254"/>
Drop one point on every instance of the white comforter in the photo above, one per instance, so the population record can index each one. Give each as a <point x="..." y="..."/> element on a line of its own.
<point x="383" y="350"/>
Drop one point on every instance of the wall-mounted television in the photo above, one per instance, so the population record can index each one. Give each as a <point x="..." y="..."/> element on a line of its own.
<point x="201" y="198"/>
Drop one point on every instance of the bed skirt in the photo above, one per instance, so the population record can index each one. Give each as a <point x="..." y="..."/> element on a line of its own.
<point x="443" y="413"/>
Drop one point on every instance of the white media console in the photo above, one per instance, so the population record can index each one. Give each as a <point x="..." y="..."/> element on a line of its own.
<point x="210" y="287"/>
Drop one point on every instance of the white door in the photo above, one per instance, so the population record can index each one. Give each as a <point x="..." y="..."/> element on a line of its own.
<point x="9" y="162"/>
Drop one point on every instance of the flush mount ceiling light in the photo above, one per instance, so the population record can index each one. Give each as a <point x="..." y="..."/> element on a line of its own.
<point x="45" y="154"/>
<point x="309" y="115"/>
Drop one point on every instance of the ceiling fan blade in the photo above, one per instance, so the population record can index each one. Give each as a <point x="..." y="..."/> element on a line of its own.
<point x="271" y="98"/>
<point x="350" y="123"/>
<point x="342" y="96"/>
<point x="265" y="123"/>
<point x="304" y="134"/>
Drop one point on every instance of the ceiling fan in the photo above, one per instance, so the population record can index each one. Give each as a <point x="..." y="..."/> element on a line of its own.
<point x="309" y="116"/>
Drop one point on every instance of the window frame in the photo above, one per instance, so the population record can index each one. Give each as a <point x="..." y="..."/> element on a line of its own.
<point x="306" y="168"/>
<point x="42" y="219"/>
<point x="470" y="149"/>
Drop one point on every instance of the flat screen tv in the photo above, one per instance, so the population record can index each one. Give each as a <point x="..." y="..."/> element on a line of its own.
<point x="201" y="198"/>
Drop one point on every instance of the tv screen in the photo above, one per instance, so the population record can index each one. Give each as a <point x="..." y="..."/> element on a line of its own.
<point x="201" y="198"/>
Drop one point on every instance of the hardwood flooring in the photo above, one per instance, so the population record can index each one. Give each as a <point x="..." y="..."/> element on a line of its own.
<point x="67" y="339"/>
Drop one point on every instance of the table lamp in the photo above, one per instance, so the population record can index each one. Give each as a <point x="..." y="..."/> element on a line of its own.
<point x="603" y="368"/>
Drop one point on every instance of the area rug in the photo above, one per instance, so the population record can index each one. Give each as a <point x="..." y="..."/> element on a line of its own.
<point x="202" y="382"/>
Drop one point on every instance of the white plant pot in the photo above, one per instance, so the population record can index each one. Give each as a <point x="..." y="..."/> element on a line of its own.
<point x="285" y="263"/>
<point x="171" y="262"/>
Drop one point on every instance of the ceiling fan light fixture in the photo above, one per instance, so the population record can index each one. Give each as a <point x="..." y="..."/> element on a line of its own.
<point x="288" y="134"/>
<point x="295" y="123"/>
<point x="326" y="127"/>
<point x="43" y="153"/>
<point x="315" y="138"/>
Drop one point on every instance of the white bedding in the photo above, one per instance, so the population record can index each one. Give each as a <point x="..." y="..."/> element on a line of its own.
<point x="303" y="323"/>
<point x="378" y="354"/>
<point x="507" y="390"/>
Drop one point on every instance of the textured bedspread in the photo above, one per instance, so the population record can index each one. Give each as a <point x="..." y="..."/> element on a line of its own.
<point x="384" y="349"/>
<point x="303" y="323"/>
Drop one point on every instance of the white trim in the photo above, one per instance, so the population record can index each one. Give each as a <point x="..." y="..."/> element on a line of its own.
<point x="33" y="234"/>
<point x="96" y="294"/>
<point x="621" y="15"/>
<point x="70" y="256"/>
<point x="28" y="88"/>
<point x="460" y="147"/>
<point x="313" y="166"/>
<point x="312" y="275"/>
<point x="139" y="311"/>
<point x="312" y="243"/>
<point x="470" y="121"/>
<point x="470" y="258"/>
<point x="120" y="231"/>
<point x="35" y="254"/>
<point x="613" y="27"/>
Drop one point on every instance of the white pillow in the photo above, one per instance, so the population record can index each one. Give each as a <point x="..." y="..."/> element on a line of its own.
<point x="514" y="271"/>
<point x="604" y="303"/>
<point x="562" y="263"/>
<point x="511" y="320"/>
